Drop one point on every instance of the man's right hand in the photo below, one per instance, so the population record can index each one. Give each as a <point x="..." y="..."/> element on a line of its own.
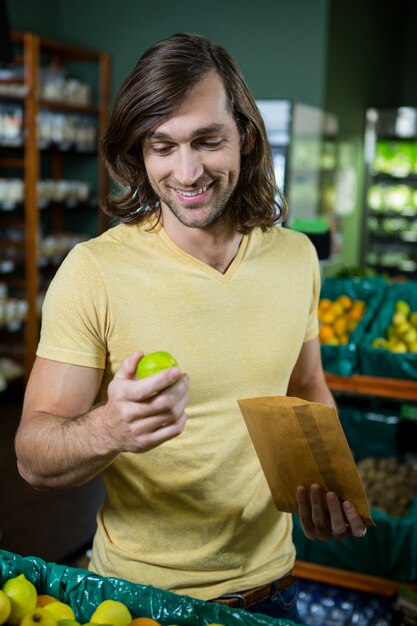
<point x="63" y="442"/>
<point x="143" y="414"/>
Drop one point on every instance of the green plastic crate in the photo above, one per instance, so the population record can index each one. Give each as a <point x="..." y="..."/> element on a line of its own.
<point x="83" y="591"/>
<point x="344" y="360"/>
<point x="381" y="362"/>
<point x="388" y="550"/>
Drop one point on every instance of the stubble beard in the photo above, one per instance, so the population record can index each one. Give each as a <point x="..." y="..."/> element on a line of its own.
<point x="193" y="217"/>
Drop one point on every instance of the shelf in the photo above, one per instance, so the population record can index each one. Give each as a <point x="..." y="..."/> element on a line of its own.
<point x="14" y="164"/>
<point x="25" y="155"/>
<point x="349" y="580"/>
<point x="65" y="107"/>
<point x="393" y="388"/>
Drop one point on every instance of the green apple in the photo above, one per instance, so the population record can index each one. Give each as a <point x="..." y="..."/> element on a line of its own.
<point x="154" y="362"/>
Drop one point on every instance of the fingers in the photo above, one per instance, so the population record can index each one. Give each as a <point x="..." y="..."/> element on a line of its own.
<point x="337" y="519"/>
<point x="304" y="512"/>
<point x="356" y="524"/>
<point x="319" y="513"/>
<point x="127" y="370"/>
<point x="324" y="517"/>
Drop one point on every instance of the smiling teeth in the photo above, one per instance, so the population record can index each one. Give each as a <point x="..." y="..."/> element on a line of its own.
<point x="193" y="193"/>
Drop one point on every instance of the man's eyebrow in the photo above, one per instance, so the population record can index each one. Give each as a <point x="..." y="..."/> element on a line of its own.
<point x="198" y="132"/>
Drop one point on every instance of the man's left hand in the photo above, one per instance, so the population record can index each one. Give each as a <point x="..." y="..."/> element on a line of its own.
<point x="324" y="516"/>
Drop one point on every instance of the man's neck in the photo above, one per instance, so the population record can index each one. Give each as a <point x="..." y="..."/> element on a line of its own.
<point x="216" y="246"/>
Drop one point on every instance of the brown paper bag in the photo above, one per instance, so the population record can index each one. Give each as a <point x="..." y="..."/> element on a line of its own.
<point x="301" y="443"/>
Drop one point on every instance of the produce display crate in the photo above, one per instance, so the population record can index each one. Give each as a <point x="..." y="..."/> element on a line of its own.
<point x="388" y="550"/>
<point x="83" y="591"/>
<point x="381" y="362"/>
<point x="344" y="359"/>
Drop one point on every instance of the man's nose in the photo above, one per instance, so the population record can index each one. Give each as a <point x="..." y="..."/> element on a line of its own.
<point x="189" y="167"/>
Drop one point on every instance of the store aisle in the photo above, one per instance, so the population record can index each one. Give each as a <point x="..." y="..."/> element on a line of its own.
<point x="54" y="525"/>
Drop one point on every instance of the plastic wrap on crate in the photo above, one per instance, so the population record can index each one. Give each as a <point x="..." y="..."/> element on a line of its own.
<point x="381" y="362"/>
<point x="388" y="550"/>
<point x="344" y="359"/>
<point x="84" y="590"/>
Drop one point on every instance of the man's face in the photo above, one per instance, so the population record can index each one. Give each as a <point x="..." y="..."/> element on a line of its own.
<point x="192" y="159"/>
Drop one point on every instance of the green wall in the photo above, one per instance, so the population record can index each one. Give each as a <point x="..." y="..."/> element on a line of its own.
<point x="38" y="16"/>
<point x="338" y="55"/>
<point x="279" y="44"/>
<point x="280" y="54"/>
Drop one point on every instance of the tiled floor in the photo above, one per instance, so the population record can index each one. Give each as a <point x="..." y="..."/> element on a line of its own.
<point x="53" y="525"/>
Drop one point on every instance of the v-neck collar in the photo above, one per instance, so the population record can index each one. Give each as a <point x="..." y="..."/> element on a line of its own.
<point x="210" y="271"/>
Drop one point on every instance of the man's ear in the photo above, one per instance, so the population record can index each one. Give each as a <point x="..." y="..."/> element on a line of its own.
<point x="248" y="141"/>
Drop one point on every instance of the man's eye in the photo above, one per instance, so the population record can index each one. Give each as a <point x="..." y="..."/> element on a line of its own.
<point x="161" y="149"/>
<point x="211" y="144"/>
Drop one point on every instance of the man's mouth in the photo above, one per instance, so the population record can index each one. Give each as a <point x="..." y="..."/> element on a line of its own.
<point x="191" y="193"/>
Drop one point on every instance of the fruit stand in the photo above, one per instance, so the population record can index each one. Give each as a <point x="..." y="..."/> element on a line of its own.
<point x="84" y="591"/>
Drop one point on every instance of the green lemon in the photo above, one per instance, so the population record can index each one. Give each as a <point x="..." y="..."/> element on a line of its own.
<point x="111" y="612"/>
<point x="5" y="607"/>
<point x="22" y="595"/>
<point x="154" y="362"/>
<point x="38" y="617"/>
<point x="60" y="610"/>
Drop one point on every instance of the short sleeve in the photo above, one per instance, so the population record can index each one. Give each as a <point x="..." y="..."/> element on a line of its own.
<point x="75" y="313"/>
<point x="313" y="321"/>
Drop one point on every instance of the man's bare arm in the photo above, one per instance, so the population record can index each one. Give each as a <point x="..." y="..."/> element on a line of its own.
<point x="307" y="379"/>
<point x="63" y="442"/>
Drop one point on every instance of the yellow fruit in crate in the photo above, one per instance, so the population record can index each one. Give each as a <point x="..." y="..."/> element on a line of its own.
<point x="413" y="319"/>
<point x="22" y="595"/>
<point x="340" y="326"/>
<point x="324" y="305"/>
<point x="399" y="318"/>
<point x="38" y="617"/>
<point x="403" y="307"/>
<point x="111" y="612"/>
<point x="379" y="342"/>
<point x="5" y="607"/>
<point x="396" y="346"/>
<point x="412" y="347"/>
<point x="410" y="336"/>
<point x="345" y="301"/>
<point x="60" y="610"/>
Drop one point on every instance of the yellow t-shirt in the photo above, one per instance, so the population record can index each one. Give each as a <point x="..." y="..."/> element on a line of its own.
<point x="194" y="515"/>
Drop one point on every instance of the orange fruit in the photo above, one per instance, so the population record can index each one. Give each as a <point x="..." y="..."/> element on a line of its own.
<point x="345" y="301"/>
<point x="324" y="304"/>
<point x="326" y="333"/>
<point x="357" y="310"/>
<point x="144" y="621"/>
<point x="328" y="317"/>
<point x="43" y="599"/>
<point x="337" y="309"/>
<point x="340" y="326"/>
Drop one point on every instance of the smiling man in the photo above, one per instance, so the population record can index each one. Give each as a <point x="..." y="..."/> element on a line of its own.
<point x="198" y="267"/>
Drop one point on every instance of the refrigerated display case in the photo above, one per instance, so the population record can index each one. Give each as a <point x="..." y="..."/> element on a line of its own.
<point x="389" y="218"/>
<point x="304" y="151"/>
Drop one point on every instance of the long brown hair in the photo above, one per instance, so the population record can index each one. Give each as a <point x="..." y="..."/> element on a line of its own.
<point x="151" y="93"/>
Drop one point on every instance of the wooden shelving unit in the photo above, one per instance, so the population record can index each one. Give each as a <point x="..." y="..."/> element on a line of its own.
<point x="32" y="52"/>
<point x="349" y="580"/>
<point x="393" y="388"/>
